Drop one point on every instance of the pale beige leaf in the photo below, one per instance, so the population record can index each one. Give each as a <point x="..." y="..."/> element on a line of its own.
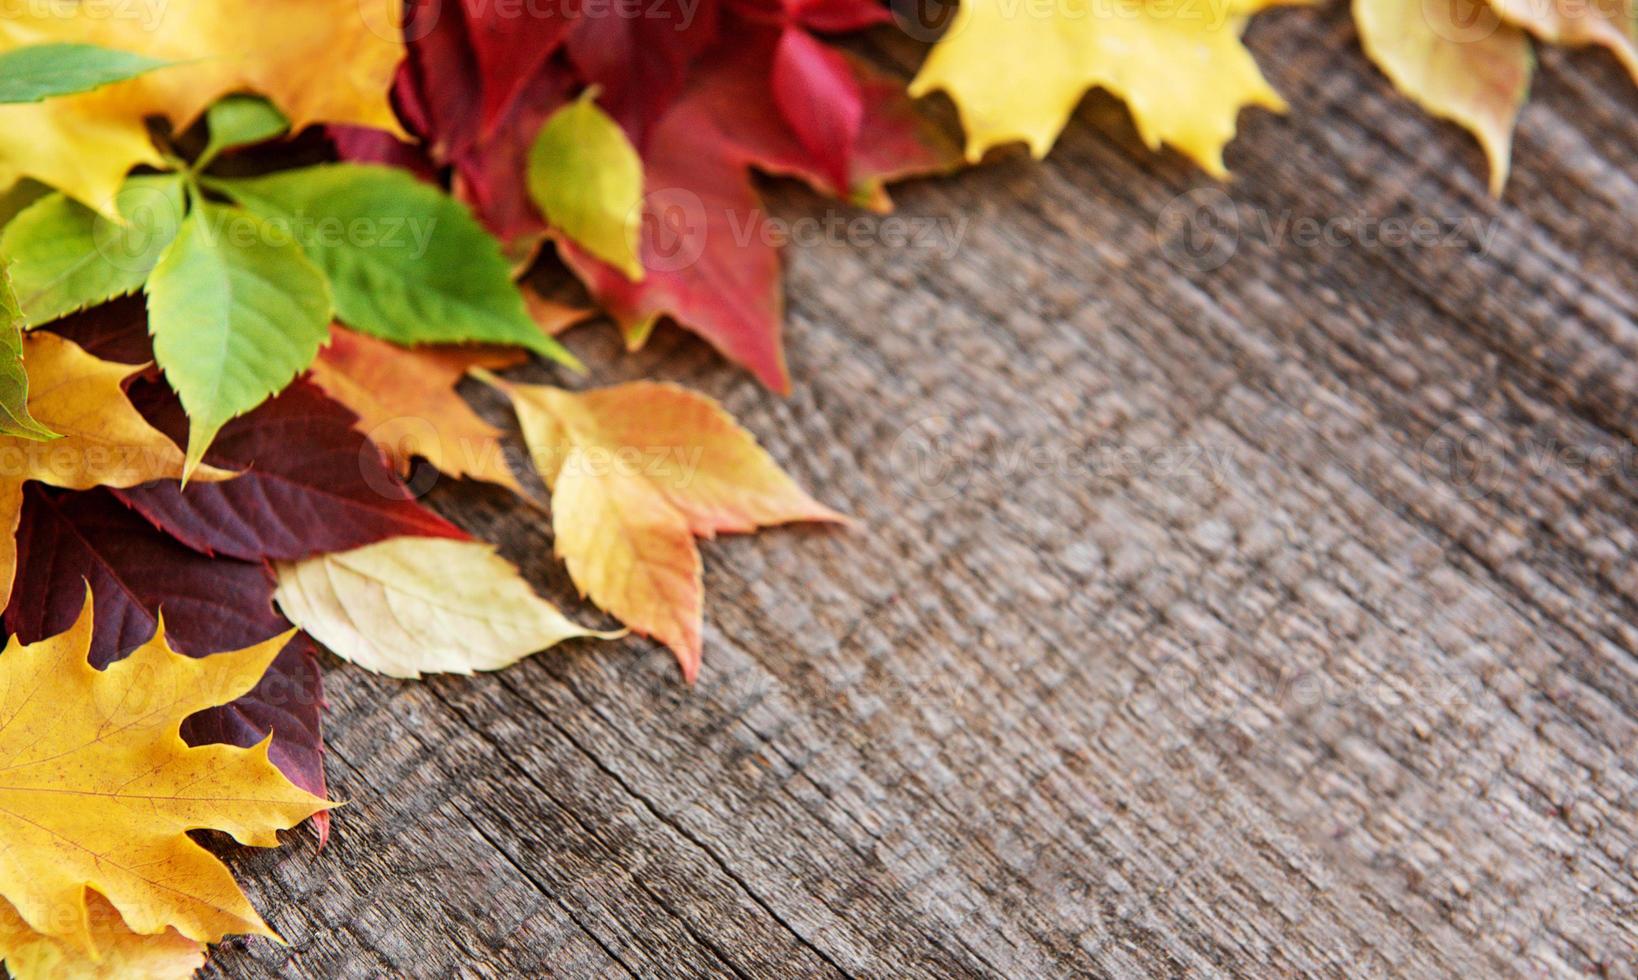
<point x="411" y="606"/>
<point x="1457" y="60"/>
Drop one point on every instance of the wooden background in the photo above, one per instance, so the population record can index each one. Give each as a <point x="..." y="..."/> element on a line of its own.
<point x="1273" y="618"/>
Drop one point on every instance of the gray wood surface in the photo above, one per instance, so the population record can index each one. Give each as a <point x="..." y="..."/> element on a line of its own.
<point x="1276" y="618"/>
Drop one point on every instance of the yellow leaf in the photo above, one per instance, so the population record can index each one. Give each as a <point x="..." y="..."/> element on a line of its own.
<point x="637" y="472"/>
<point x="98" y="789"/>
<point x="327" y="61"/>
<point x="411" y="606"/>
<point x="1611" y="23"/>
<point x="1016" y="70"/>
<point x="119" y="953"/>
<point x="406" y="402"/>
<point x="105" y="442"/>
<point x="588" y="180"/>
<point x="1457" y="60"/>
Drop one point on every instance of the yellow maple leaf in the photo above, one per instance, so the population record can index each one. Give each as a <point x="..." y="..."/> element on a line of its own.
<point x="406" y="402"/>
<point x="98" y="789"/>
<point x="1017" y="68"/>
<point x="318" y="60"/>
<point x="637" y="472"/>
<point x="1458" y="61"/>
<point x="411" y="606"/>
<point x="119" y="953"/>
<point x="105" y="441"/>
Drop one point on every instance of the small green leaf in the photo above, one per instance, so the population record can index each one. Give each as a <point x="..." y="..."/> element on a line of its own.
<point x="236" y="311"/>
<point x="42" y="71"/>
<point x="67" y="257"/>
<point x="588" y="181"/>
<point x="407" y="262"/>
<point x="14" y="417"/>
<point x="240" y="120"/>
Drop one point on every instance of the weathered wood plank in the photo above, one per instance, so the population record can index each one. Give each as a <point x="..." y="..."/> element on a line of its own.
<point x="1180" y="635"/>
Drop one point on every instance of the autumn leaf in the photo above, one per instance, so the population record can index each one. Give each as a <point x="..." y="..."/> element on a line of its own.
<point x="67" y="257"/>
<point x="637" y="472"/>
<point x="236" y="311"/>
<point x="110" y="740"/>
<point x="317" y="60"/>
<point x="709" y="261"/>
<point x="507" y="50"/>
<point x="551" y="315"/>
<point x="412" y="606"/>
<point x="406" y="403"/>
<point x="818" y="96"/>
<point x="702" y="118"/>
<point x="588" y="181"/>
<point x="309" y="483"/>
<point x="116" y="331"/>
<point x="43" y="71"/>
<point x="1017" y="72"/>
<point x="410" y="264"/>
<point x="70" y="540"/>
<point x="1612" y="24"/>
<point x="1458" y="61"/>
<point x="641" y="64"/>
<point x="117" y="952"/>
<point x="238" y="121"/>
<point x="104" y="441"/>
<point x="15" y="420"/>
<point x="1470" y="61"/>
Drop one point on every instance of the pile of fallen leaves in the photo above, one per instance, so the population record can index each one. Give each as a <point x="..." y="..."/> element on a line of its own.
<point x="252" y="250"/>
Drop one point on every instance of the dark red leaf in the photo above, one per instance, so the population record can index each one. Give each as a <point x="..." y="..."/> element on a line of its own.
<point x="115" y="331"/>
<point x="311" y="484"/>
<point x="362" y="144"/>
<point x="640" y="63"/>
<point x="511" y="41"/>
<point x="487" y="171"/>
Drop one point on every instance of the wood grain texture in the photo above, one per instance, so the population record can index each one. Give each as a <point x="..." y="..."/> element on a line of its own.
<point x="1277" y="618"/>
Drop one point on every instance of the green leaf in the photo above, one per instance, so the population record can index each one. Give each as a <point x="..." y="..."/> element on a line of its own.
<point x="407" y="262"/>
<point x="67" y="257"/>
<point x="41" y="71"/>
<point x="588" y="181"/>
<point x="14" y="417"/>
<point x="236" y="311"/>
<point x="240" y="120"/>
<point x="18" y="197"/>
